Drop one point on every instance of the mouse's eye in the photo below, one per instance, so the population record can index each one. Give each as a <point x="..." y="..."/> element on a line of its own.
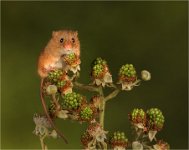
<point x="61" y="40"/>
<point x="73" y="40"/>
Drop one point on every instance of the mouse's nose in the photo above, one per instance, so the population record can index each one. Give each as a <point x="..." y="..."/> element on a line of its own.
<point x="67" y="46"/>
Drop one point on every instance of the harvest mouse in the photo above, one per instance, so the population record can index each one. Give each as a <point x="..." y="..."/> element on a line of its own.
<point x="62" y="42"/>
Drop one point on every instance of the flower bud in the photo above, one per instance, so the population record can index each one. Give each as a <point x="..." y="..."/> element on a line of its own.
<point x="145" y="75"/>
<point x="51" y="89"/>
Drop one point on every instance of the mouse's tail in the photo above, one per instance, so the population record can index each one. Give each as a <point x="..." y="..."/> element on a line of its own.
<point x="47" y="114"/>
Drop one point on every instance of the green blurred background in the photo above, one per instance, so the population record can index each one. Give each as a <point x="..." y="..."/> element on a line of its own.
<point x="151" y="35"/>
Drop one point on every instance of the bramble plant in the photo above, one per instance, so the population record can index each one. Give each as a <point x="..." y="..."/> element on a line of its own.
<point x="66" y="104"/>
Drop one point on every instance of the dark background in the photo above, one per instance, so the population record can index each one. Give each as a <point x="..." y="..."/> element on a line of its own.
<point x="151" y="35"/>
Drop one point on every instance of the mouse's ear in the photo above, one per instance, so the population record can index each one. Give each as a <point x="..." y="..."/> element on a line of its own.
<point x="54" y="34"/>
<point x="76" y="33"/>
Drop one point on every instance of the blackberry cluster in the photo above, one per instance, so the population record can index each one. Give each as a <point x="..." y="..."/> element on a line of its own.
<point x="86" y="113"/>
<point x="119" y="139"/>
<point x="127" y="70"/>
<point x="98" y="67"/>
<point x="155" y="119"/>
<point x="70" y="58"/>
<point x="54" y="76"/>
<point x="138" y="116"/>
<point x="72" y="100"/>
<point x="61" y="83"/>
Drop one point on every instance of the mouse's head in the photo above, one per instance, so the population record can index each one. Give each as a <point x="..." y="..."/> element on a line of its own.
<point x="66" y="41"/>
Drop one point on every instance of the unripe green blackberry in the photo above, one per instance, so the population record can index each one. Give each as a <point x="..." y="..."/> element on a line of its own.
<point x="138" y="116"/>
<point x="99" y="68"/>
<point x="119" y="139"/>
<point x="86" y="113"/>
<point x="54" y="75"/>
<point x="127" y="70"/>
<point x="72" y="100"/>
<point x="61" y="83"/>
<point x="99" y="61"/>
<point x="70" y="58"/>
<point x="155" y="119"/>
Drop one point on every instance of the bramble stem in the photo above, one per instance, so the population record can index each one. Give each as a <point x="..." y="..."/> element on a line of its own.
<point x="112" y="95"/>
<point x="102" y="107"/>
<point x="42" y="143"/>
<point x="103" y="103"/>
<point x="85" y="87"/>
<point x="102" y="112"/>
